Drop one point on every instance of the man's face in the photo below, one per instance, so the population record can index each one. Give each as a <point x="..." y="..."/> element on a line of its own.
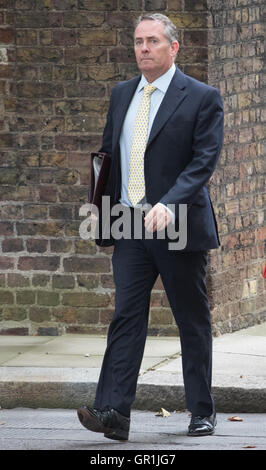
<point x="154" y="53"/>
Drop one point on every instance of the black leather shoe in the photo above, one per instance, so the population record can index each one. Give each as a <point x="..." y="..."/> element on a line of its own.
<point x="110" y="422"/>
<point x="202" y="426"/>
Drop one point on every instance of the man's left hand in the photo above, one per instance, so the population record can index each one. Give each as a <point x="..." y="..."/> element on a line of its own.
<point x="157" y="218"/>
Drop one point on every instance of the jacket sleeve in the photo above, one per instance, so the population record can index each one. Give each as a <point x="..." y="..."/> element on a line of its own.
<point x="206" y="146"/>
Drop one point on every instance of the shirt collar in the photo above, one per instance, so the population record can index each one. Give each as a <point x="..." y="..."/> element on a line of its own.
<point x="162" y="83"/>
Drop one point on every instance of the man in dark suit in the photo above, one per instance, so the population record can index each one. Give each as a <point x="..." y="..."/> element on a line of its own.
<point x="164" y="130"/>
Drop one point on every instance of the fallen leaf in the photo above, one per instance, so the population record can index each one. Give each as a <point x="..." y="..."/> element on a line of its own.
<point x="235" y="418"/>
<point x="162" y="412"/>
<point x="249" y="447"/>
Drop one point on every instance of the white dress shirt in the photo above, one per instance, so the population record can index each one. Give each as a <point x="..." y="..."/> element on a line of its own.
<point x="162" y="83"/>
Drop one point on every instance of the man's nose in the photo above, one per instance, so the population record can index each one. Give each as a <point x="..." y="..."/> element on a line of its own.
<point x="145" y="47"/>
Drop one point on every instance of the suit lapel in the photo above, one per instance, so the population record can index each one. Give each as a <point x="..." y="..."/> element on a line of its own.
<point x="174" y="96"/>
<point x="125" y="97"/>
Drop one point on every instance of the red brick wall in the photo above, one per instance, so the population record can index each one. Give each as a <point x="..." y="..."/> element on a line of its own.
<point x="59" y="60"/>
<point x="236" y="46"/>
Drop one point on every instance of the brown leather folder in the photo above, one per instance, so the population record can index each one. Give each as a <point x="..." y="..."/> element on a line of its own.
<point x="100" y="167"/>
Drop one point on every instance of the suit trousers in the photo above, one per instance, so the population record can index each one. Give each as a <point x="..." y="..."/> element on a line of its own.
<point x="136" y="266"/>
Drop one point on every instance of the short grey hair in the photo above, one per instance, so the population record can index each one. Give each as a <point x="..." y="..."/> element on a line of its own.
<point x="170" y="29"/>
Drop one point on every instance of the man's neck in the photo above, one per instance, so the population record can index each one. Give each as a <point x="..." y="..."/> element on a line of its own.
<point x="152" y="77"/>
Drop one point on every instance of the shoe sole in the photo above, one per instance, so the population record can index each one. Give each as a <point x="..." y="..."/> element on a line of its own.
<point x="119" y="435"/>
<point x="207" y="433"/>
<point x="92" y="423"/>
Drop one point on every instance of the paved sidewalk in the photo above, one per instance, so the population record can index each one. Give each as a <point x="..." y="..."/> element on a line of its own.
<point x="62" y="372"/>
<point x="49" y="429"/>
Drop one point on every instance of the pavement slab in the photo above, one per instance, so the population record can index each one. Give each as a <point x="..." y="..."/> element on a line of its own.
<point x="62" y="372"/>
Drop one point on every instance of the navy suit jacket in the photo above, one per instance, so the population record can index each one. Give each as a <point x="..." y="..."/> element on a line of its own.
<point x="182" y="151"/>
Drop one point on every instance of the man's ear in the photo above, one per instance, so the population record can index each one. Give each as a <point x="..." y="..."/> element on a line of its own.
<point x="174" y="48"/>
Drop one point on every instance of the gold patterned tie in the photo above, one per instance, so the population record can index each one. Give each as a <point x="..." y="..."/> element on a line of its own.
<point x="136" y="182"/>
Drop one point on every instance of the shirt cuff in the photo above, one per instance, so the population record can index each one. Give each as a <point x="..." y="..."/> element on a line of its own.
<point x="170" y="212"/>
